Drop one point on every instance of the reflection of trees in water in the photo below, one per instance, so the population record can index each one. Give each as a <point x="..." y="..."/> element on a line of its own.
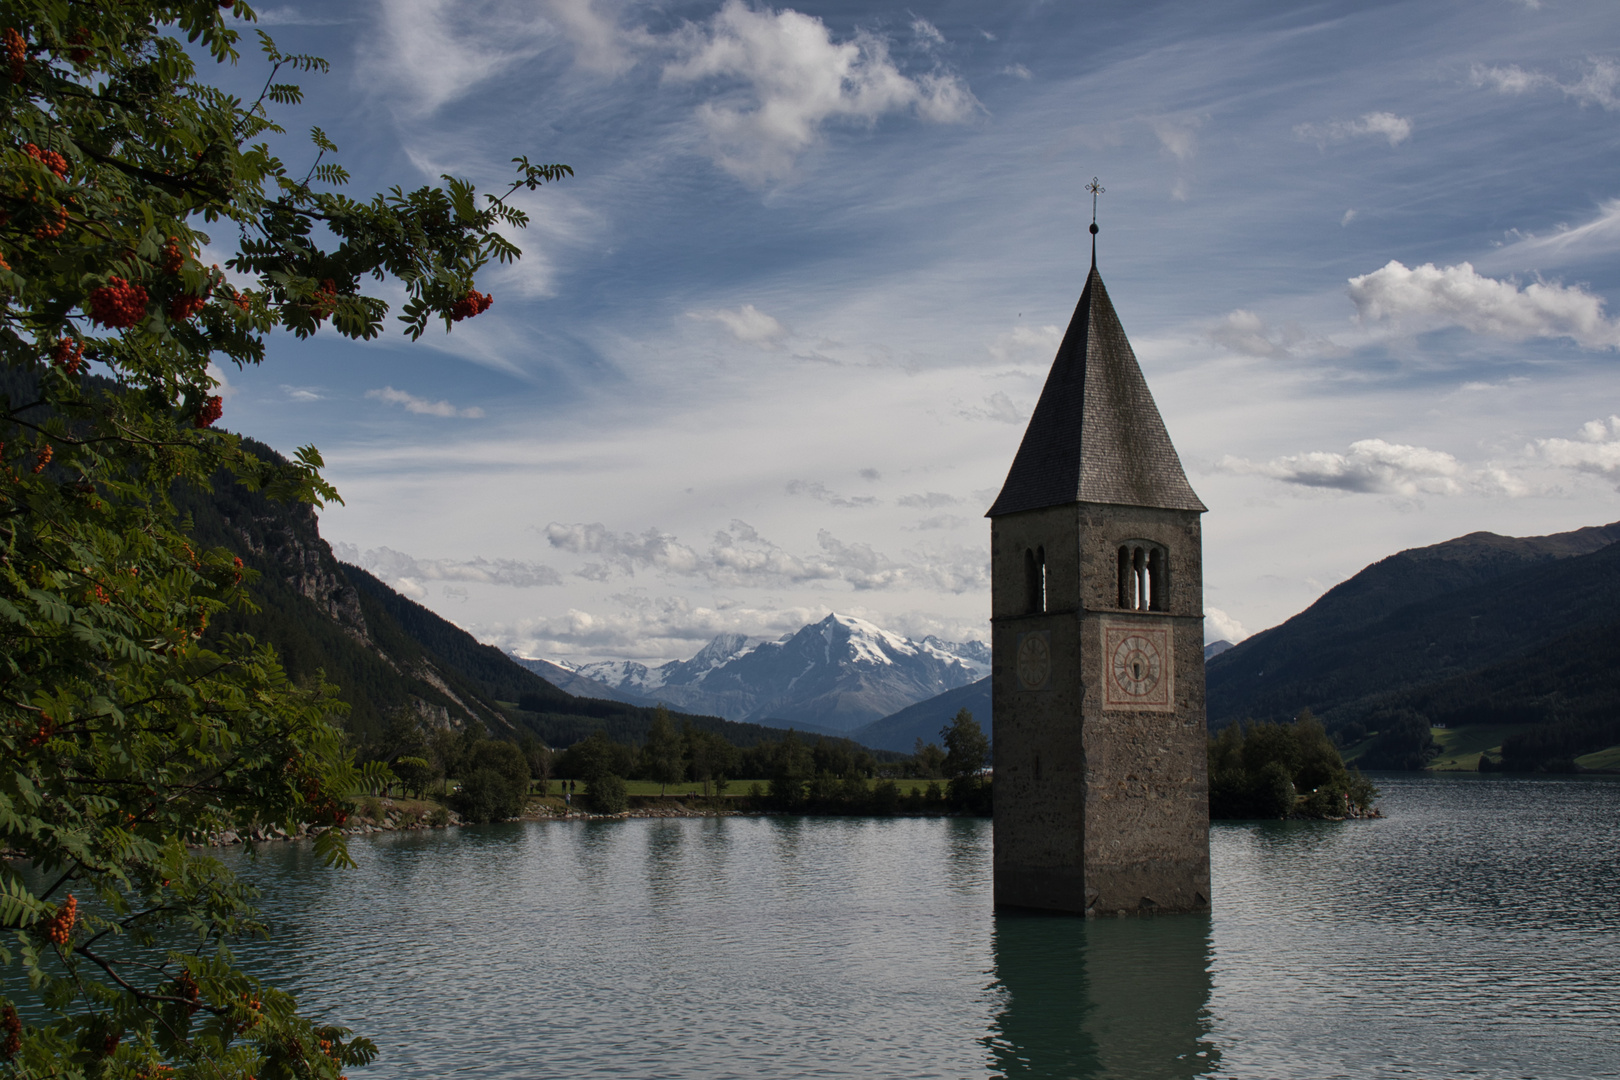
<point x="1116" y="998"/>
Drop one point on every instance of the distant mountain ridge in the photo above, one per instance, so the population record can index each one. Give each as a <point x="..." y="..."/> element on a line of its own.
<point x="1483" y="628"/>
<point x="835" y="675"/>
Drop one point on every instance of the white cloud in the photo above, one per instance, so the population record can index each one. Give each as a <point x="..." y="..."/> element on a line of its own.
<point x="999" y="407"/>
<point x="1598" y="238"/>
<point x="652" y="548"/>
<point x="1598" y="85"/>
<point x="819" y="491"/>
<point x="747" y="324"/>
<point x="303" y="393"/>
<point x="1397" y="129"/>
<point x="1349" y="216"/>
<point x="600" y="45"/>
<point x="1026" y="345"/>
<point x="1510" y="79"/>
<point x="422" y="50"/>
<point x="783" y="78"/>
<point x="392" y="566"/>
<point x="931" y="500"/>
<point x="738" y="557"/>
<point x="423" y="406"/>
<point x="1178" y="136"/>
<point x="645" y="628"/>
<point x="1376" y="467"/>
<point x="1245" y="332"/>
<point x="1018" y="71"/>
<point x="1596" y="449"/>
<point x="1219" y="626"/>
<point x="1427" y="297"/>
<point x="927" y="32"/>
<point x="1372" y="466"/>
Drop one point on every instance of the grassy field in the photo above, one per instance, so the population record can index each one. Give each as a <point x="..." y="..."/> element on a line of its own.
<point x="1607" y="760"/>
<point x="1460" y="747"/>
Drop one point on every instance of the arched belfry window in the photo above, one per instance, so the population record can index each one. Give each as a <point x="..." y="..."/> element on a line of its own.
<point x="1035" y="580"/>
<point x="1144" y="576"/>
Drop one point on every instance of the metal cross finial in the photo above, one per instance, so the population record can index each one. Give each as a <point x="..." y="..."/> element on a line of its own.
<point x="1096" y="189"/>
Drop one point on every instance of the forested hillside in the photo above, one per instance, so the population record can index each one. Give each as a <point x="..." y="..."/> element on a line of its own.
<point x="1483" y="629"/>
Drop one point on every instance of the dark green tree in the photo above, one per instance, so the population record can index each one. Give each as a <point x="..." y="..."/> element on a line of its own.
<point x="128" y="736"/>
<point x="665" y="762"/>
<point x="494" y="782"/>
<point x="928" y="760"/>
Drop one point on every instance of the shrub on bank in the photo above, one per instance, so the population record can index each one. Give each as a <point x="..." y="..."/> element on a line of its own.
<point x="608" y="795"/>
<point x="1280" y="771"/>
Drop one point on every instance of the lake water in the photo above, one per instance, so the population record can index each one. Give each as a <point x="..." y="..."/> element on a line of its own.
<point x="1475" y="931"/>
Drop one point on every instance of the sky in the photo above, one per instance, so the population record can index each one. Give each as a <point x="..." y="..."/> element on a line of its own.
<point x="769" y="352"/>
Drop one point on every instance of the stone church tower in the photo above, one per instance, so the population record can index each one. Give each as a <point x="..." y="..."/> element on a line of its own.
<point x="1097" y="598"/>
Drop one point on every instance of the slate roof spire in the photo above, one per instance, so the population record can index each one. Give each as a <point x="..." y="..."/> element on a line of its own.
<point x="1096" y="435"/>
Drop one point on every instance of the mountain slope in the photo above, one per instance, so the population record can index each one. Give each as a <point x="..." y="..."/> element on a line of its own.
<point x="572" y="682"/>
<point x="835" y="675"/>
<point x="900" y="731"/>
<point x="1479" y="629"/>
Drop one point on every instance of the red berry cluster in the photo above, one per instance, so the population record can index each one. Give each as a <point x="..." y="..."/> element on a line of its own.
<point x="44" y="458"/>
<point x="16" y="53"/>
<point x="11" y="1024"/>
<point x="119" y="304"/>
<point x="69" y="355"/>
<point x="241" y="301"/>
<point x="473" y="303"/>
<point x="59" y="927"/>
<point x="48" y="158"/>
<point x="186" y="987"/>
<point x="236" y="576"/>
<point x="54" y="227"/>
<point x="324" y="302"/>
<point x="173" y="257"/>
<point x="80" y="37"/>
<point x="43" y="734"/>
<point x="182" y="308"/>
<point x="210" y="411"/>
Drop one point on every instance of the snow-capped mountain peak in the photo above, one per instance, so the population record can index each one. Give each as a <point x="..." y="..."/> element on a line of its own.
<point x="837" y="673"/>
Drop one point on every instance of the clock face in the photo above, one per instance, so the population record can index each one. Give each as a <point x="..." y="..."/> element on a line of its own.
<point x="1137" y="666"/>
<point x="1034" y="660"/>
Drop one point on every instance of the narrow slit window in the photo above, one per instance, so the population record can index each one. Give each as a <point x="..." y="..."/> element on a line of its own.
<point x="1040" y="559"/>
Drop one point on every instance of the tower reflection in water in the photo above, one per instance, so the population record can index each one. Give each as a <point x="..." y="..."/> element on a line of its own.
<point x="1125" y="999"/>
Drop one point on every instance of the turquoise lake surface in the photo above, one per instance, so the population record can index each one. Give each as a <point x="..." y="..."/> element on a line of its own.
<point x="1472" y="932"/>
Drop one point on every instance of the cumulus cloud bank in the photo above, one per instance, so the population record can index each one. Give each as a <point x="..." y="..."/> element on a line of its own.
<point x="395" y="566"/>
<point x="1596" y="449"/>
<point x="1371" y="466"/>
<point x="1429" y="297"/>
<point x="1219" y="626"/>
<point x="785" y="77"/>
<point x="423" y="406"/>
<point x="1397" y="129"/>
<point x="739" y="557"/>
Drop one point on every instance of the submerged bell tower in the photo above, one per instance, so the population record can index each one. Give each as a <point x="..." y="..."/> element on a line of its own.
<point x="1101" y="800"/>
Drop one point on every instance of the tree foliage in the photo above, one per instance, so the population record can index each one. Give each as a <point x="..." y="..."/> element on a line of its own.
<point x="1280" y="771"/>
<point x="127" y="737"/>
